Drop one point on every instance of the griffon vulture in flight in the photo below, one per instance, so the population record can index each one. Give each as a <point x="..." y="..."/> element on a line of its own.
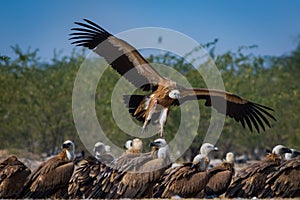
<point x="164" y="93"/>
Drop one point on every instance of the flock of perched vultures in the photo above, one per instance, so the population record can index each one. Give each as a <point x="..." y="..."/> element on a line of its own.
<point x="150" y="175"/>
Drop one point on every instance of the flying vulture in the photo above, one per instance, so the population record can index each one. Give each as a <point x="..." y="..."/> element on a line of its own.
<point x="251" y="180"/>
<point x="87" y="171"/>
<point x="221" y="176"/>
<point x="13" y="174"/>
<point x="52" y="177"/>
<point x="164" y="93"/>
<point x="284" y="182"/>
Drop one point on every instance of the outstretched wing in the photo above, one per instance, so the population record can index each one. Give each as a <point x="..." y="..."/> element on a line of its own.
<point x="243" y="111"/>
<point x="123" y="57"/>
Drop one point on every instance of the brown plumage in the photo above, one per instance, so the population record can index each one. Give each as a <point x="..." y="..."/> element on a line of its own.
<point x="186" y="181"/>
<point x="107" y="178"/>
<point x="87" y="171"/>
<point x="284" y="182"/>
<point x="221" y="176"/>
<point x="51" y="178"/>
<point x="138" y="180"/>
<point x="251" y="180"/>
<point x="13" y="174"/>
<point x="128" y="62"/>
<point x="134" y="149"/>
<point x="135" y="178"/>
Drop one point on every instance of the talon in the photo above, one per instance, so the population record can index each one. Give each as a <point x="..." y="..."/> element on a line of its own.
<point x="161" y="130"/>
<point x="144" y="129"/>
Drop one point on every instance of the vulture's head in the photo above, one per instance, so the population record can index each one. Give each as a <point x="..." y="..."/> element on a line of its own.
<point x="230" y="157"/>
<point x="158" y="143"/>
<point x="137" y="144"/>
<point x="99" y="149"/>
<point x="206" y="148"/>
<point x="280" y="150"/>
<point x="174" y="94"/>
<point x="128" y="144"/>
<point x="69" y="146"/>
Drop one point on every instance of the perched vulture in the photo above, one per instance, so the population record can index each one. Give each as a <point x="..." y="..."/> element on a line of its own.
<point x="13" y="174"/>
<point x="135" y="178"/>
<point x="187" y="180"/>
<point x="52" y="177"/>
<point x="221" y="176"/>
<point x="251" y="180"/>
<point x="284" y="182"/>
<point x="86" y="172"/>
<point x="134" y="149"/>
<point x="105" y="180"/>
<point x="101" y="153"/>
<point x="142" y="174"/>
<point x="128" y="62"/>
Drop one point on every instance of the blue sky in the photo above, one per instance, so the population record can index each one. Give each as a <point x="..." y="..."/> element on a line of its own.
<point x="273" y="25"/>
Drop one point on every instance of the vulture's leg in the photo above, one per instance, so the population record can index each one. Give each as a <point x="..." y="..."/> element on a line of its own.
<point x="150" y="110"/>
<point x="162" y="120"/>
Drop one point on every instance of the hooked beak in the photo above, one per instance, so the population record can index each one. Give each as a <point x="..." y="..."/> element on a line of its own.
<point x="154" y="144"/>
<point x="286" y="150"/>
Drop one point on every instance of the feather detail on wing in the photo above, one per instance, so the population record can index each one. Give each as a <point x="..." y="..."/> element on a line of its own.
<point x="123" y="57"/>
<point x="243" y="111"/>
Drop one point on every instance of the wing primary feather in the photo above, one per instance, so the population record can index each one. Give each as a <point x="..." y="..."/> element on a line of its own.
<point x="82" y="34"/>
<point x="261" y="108"/>
<point x="242" y="122"/>
<point x="258" y="119"/>
<point x="80" y="37"/>
<point x="248" y="122"/>
<point x="80" y="42"/>
<point x="84" y="30"/>
<point x="261" y="116"/>
<point x="87" y="26"/>
<point x="94" y="24"/>
<point x="253" y="120"/>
